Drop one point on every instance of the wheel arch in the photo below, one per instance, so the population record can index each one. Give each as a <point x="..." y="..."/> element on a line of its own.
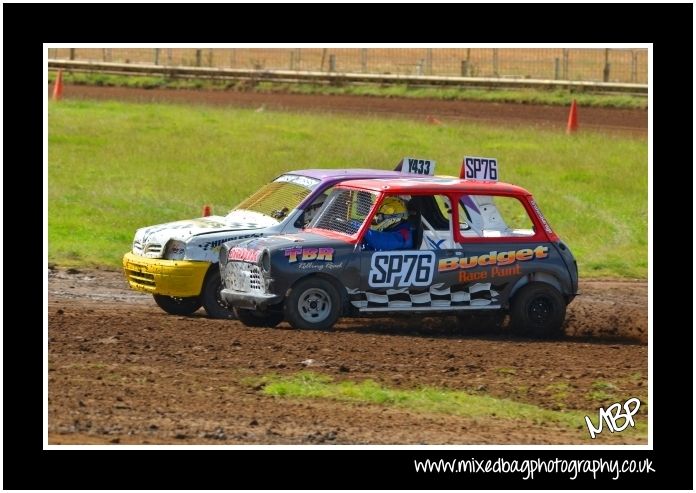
<point x="215" y="307"/>
<point x="543" y="277"/>
<point x="210" y="271"/>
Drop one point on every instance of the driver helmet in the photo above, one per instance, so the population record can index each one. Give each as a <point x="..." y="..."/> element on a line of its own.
<point x="392" y="212"/>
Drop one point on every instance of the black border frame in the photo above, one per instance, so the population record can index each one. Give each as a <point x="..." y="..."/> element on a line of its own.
<point x="322" y="469"/>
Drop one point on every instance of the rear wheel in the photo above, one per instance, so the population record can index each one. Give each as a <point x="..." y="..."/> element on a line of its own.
<point x="177" y="306"/>
<point x="214" y="306"/>
<point x="538" y="309"/>
<point x="255" y="318"/>
<point x="313" y="303"/>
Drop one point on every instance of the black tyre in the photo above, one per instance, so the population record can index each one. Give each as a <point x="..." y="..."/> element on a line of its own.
<point x="313" y="303"/>
<point x="255" y="318"/>
<point x="538" y="309"/>
<point x="480" y="322"/>
<point x="177" y="306"/>
<point x="214" y="306"/>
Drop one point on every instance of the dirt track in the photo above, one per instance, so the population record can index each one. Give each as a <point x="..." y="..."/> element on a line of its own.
<point x="122" y="371"/>
<point x="600" y="119"/>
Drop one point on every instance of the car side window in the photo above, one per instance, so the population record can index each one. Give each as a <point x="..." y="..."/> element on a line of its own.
<point x="436" y="222"/>
<point x="312" y="209"/>
<point x="494" y="217"/>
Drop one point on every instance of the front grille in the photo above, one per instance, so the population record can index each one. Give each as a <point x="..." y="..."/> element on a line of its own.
<point x="255" y="280"/>
<point x="244" y="277"/>
<point x="141" y="278"/>
<point x="153" y="249"/>
<point x="147" y="249"/>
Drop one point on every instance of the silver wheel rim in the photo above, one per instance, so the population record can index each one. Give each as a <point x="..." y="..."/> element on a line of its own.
<point x="314" y="305"/>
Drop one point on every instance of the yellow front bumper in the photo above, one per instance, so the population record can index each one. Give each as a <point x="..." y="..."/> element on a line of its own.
<point x="180" y="278"/>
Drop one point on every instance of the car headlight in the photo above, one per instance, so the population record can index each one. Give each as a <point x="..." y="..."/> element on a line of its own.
<point x="223" y="254"/>
<point x="175" y="250"/>
<point x="265" y="261"/>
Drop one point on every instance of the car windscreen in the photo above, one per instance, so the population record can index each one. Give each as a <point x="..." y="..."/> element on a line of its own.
<point x="278" y="198"/>
<point x="344" y="211"/>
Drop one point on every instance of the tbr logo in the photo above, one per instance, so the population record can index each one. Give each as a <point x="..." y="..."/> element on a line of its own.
<point x="309" y="254"/>
<point x="401" y="269"/>
<point x="613" y="414"/>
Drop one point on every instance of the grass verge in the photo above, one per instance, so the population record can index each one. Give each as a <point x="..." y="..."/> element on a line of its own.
<point x="556" y="97"/>
<point x="425" y="399"/>
<point x="114" y="167"/>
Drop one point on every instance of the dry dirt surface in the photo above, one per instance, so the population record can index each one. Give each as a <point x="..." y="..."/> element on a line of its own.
<point x="629" y="121"/>
<point x="121" y="371"/>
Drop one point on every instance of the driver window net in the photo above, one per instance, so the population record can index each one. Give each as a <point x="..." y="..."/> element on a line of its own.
<point x="344" y="211"/>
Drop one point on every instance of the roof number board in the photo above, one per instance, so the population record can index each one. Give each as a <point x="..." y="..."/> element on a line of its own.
<point x="480" y="168"/>
<point x="415" y="166"/>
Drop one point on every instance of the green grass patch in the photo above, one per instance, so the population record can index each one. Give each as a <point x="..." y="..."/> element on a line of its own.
<point x="425" y="399"/>
<point x="637" y="376"/>
<point x="114" y="167"/>
<point x="555" y="97"/>
<point x="604" y="392"/>
<point x="560" y="391"/>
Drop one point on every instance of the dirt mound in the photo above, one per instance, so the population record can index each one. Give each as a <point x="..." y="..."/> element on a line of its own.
<point x="610" y="309"/>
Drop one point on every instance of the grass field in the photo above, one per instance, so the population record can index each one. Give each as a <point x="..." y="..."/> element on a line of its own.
<point x="114" y="167"/>
<point x="425" y="400"/>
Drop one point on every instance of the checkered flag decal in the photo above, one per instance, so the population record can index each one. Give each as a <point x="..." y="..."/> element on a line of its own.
<point x="478" y="294"/>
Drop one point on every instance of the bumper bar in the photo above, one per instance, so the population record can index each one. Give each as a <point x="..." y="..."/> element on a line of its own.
<point x="183" y="278"/>
<point x="251" y="301"/>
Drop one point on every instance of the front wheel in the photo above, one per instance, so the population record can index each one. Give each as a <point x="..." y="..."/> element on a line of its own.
<point x="177" y="306"/>
<point x="313" y="303"/>
<point x="255" y="318"/>
<point x="538" y="309"/>
<point x="214" y="306"/>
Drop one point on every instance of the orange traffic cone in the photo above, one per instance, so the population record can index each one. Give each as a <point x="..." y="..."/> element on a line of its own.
<point x="58" y="87"/>
<point x="206" y="210"/>
<point x="573" y="118"/>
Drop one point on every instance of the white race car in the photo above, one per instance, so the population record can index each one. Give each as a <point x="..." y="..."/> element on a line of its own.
<point x="177" y="262"/>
